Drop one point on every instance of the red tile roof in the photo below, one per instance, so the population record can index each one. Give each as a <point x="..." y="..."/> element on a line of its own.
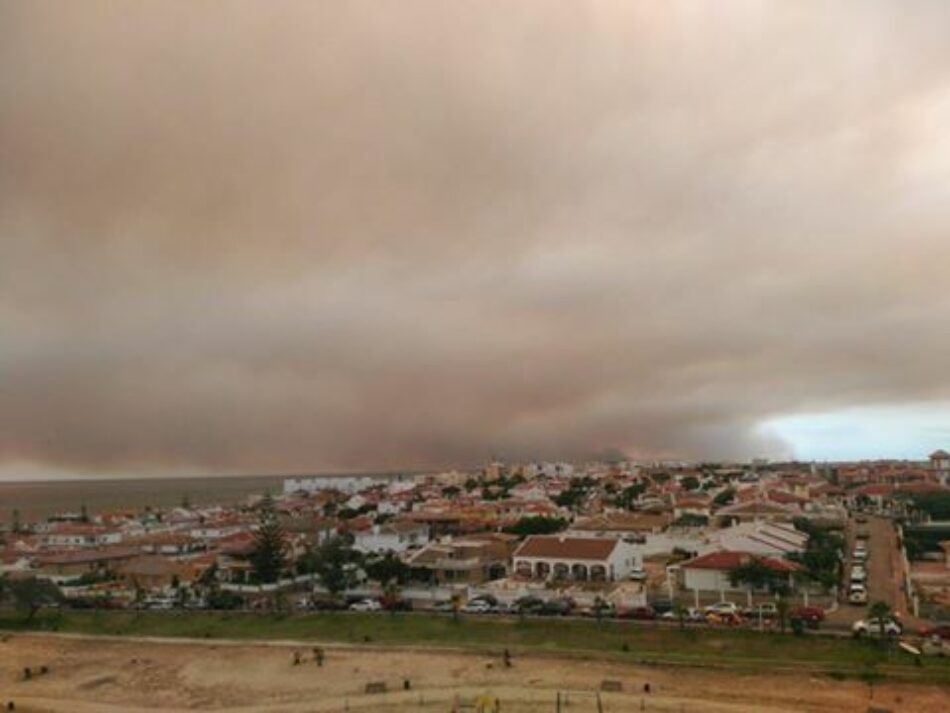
<point x="572" y="548"/>
<point x="731" y="560"/>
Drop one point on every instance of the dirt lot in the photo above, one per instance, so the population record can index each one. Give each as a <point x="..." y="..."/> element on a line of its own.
<point x="109" y="675"/>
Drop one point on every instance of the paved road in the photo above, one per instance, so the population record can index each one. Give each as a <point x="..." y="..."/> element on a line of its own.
<point x="885" y="572"/>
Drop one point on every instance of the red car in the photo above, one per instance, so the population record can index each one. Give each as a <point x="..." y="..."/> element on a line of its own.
<point x="941" y="631"/>
<point x="813" y="615"/>
<point x="641" y="613"/>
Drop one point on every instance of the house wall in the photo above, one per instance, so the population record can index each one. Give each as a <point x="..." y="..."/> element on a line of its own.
<point x="390" y="542"/>
<point x="708" y="580"/>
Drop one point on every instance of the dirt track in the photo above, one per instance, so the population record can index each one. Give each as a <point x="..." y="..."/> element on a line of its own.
<point x="107" y="675"/>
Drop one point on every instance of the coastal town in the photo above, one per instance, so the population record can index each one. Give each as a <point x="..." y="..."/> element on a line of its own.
<point x="860" y="548"/>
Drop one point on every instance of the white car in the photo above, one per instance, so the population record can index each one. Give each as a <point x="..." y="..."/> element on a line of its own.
<point x="366" y="605"/>
<point x="690" y="614"/>
<point x="872" y="627"/>
<point x="479" y="606"/>
<point x="858" y="594"/>
<point x="638" y="574"/>
<point x="722" y="608"/>
<point x="859" y="555"/>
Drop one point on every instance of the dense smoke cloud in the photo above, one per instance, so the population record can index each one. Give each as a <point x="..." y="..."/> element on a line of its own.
<point x="273" y="237"/>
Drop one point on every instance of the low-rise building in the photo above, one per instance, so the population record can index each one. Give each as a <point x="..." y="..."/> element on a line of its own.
<point x="598" y="559"/>
<point x="471" y="559"/>
<point x="395" y="537"/>
<point x="712" y="571"/>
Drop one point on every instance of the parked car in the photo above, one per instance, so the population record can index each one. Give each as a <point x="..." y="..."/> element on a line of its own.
<point x="444" y="607"/>
<point x="857" y="595"/>
<point x="860" y="519"/>
<point x="725" y="617"/>
<point x="767" y="610"/>
<point x="489" y="599"/>
<point x="477" y="606"/>
<point x="644" y="613"/>
<point x="722" y="608"/>
<point x="939" y="631"/>
<point x="935" y="647"/>
<point x="396" y="604"/>
<point x="661" y="606"/>
<point x="691" y="615"/>
<point x="638" y="574"/>
<point x="812" y="615"/>
<point x="556" y="607"/>
<point x="607" y="609"/>
<point x="528" y="605"/>
<point x="872" y="627"/>
<point x="327" y="604"/>
<point x="366" y="605"/>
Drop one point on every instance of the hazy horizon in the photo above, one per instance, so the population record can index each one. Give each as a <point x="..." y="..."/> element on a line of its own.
<point x="297" y="237"/>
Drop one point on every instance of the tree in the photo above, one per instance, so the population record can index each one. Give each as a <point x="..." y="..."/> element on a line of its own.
<point x="388" y="567"/>
<point x="540" y="525"/>
<point x="307" y="562"/>
<point x="270" y="545"/>
<point x="680" y="612"/>
<point x="725" y="497"/>
<point x="822" y="556"/>
<point x="629" y="495"/>
<point x="32" y="594"/>
<point x="451" y="491"/>
<point x="391" y="594"/>
<point x="690" y="482"/>
<point x="936" y="505"/>
<point x="333" y="556"/>
<point x="756" y="574"/>
<point x="17" y="526"/>
<point x="456" y="605"/>
<point x="881" y="611"/>
<point x="781" y="609"/>
<point x="83" y="513"/>
<point x="600" y="608"/>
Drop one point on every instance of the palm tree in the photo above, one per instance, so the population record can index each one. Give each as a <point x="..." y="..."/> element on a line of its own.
<point x="680" y="612"/>
<point x="781" y="608"/>
<point x="391" y="591"/>
<point x="881" y="611"/>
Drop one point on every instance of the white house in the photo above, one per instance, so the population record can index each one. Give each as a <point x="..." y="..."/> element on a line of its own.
<point x="391" y="537"/>
<point x="711" y="572"/>
<point x="596" y="559"/>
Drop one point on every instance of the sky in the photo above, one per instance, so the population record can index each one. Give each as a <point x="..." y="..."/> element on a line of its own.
<point x="299" y="237"/>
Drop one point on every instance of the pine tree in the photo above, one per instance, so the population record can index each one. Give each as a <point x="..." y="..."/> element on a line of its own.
<point x="270" y="545"/>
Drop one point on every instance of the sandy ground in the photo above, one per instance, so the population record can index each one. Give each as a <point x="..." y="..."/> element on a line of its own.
<point x="109" y="675"/>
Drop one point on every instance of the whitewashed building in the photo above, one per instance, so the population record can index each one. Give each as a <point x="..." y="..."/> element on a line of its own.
<point x="391" y="537"/>
<point x="598" y="559"/>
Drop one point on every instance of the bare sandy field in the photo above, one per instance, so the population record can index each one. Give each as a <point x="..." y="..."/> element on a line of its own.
<point x="109" y="675"/>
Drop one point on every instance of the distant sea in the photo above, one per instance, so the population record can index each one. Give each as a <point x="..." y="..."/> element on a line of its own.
<point x="40" y="499"/>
